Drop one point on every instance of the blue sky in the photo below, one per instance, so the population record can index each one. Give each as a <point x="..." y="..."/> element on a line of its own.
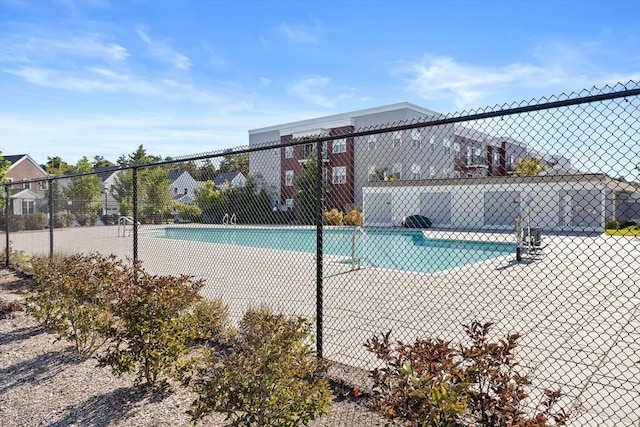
<point x="100" y="77"/>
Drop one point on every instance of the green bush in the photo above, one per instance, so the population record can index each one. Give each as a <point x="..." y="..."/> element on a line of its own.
<point x="62" y="220"/>
<point x="432" y="383"/>
<point x="87" y="219"/>
<point x="18" y="260"/>
<point x="152" y="332"/>
<point x="266" y="376"/>
<point x="36" y="221"/>
<point x="17" y="223"/>
<point x="612" y="225"/>
<point x="190" y="213"/>
<point x="72" y="297"/>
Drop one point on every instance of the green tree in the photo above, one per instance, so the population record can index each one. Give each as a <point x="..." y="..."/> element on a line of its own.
<point x="101" y="162"/>
<point x="4" y="168"/>
<point x="211" y="201"/>
<point x="157" y="190"/>
<point x="528" y="166"/>
<point x="57" y="166"/>
<point x="235" y="163"/>
<point x="84" y="191"/>
<point x="305" y="187"/>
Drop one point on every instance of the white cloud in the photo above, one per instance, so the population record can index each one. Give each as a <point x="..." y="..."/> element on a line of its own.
<point x="163" y="51"/>
<point x="553" y="67"/>
<point x="37" y="48"/>
<point x="298" y="34"/>
<point x="309" y="89"/>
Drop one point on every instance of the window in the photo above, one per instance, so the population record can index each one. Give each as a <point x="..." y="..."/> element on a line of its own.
<point x="373" y="142"/>
<point x="288" y="178"/>
<point x="445" y="172"/>
<point x="28" y="207"/>
<point x="415" y="171"/>
<point x="339" y="174"/>
<point x="446" y="146"/>
<point x="510" y="163"/>
<point x="469" y="155"/>
<point x="26" y="185"/>
<point x="396" y="172"/>
<point x="9" y="181"/>
<point x="396" y="139"/>
<point x="289" y="204"/>
<point x="175" y="190"/>
<point x="325" y="151"/>
<point x="372" y="173"/>
<point x="307" y="149"/>
<point x="186" y="191"/>
<point x="496" y="159"/>
<point x="288" y="152"/>
<point x="43" y="185"/>
<point x="416" y="138"/>
<point x="432" y="172"/>
<point x="324" y="174"/>
<point x="432" y="144"/>
<point x="340" y="146"/>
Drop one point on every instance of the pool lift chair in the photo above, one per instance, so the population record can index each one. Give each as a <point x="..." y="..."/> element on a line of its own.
<point x="529" y="240"/>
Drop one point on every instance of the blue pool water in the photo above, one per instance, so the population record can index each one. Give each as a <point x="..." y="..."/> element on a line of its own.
<point x="407" y="250"/>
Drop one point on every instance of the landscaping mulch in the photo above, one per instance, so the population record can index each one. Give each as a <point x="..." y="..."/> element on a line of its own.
<point x="44" y="382"/>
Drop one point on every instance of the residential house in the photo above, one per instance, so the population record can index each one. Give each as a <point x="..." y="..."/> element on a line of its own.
<point x="183" y="186"/>
<point x="28" y="184"/>
<point x="227" y="180"/>
<point x="108" y="176"/>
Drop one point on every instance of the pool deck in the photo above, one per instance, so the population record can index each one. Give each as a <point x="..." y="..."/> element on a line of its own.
<point x="577" y="307"/>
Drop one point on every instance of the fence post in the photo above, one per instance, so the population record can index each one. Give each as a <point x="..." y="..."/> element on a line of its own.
<point x="6" y="223"/>
<point x="51" y="225"/>
<point x="319" y="249"/>
<point x="135" y="214"/>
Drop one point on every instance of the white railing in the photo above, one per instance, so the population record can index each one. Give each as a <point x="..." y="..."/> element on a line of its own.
<point x="229" y="220"/>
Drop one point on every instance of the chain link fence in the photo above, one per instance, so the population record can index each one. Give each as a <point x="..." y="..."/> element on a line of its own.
<point x="404" y="220"/>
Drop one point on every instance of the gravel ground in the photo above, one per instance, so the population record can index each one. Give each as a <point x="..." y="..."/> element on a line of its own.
<point x="43" y="382"/>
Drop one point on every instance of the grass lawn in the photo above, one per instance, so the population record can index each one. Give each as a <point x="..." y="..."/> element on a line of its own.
<point x="627" y="231"/>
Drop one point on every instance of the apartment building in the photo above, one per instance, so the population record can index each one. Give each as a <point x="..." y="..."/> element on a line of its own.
<point x="430" y="152"/>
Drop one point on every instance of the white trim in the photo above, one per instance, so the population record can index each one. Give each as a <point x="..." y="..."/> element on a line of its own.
<point x="339" y="120"/>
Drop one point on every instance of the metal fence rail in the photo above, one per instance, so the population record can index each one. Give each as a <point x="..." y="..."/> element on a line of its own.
<point x="412" y="222"/>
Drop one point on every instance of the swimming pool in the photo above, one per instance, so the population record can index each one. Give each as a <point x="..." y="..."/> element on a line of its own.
<point x="407" y="250"/>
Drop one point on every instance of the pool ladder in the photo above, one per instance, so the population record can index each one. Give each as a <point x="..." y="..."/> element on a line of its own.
<point x="125" y="221"/>
<point x="229" y="220"/>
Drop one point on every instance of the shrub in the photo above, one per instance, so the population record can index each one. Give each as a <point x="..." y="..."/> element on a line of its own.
<point x="432" y="383"/>
<point x="191" y="213"/>
<point x="422" y="382"/>
<point x="87" y="219"/>
<point x="63" y="219"/>
<point x="354" y="217"/>
<point x="17" y="223"/>
<point x="333" y="217"/>
<point x="612" y="225"/>
<point x="7" y="308"/>
<point x="208" y="321"/>
<point x="19" y="260"/>
<point x="72" y="297"/>
<point x="152" y="331"/>
<point x="35" y="221"/>
<point x="267" y="376"/>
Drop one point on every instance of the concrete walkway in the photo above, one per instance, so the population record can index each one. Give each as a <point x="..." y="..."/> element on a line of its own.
<point x="577" y="308"/>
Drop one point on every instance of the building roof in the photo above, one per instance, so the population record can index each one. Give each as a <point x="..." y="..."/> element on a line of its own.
<point x="223" y="177"/>
<point x="342" y="119"/>
<point x="173" y="175"/>
<point x="17" y="158"/>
